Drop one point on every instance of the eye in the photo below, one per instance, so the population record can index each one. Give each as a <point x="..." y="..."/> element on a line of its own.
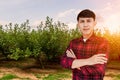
<point x="82" y="21"/>
<point x="88" y="20"/>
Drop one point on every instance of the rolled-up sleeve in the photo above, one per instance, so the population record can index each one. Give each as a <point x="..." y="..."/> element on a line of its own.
<point x="66" y="62"/>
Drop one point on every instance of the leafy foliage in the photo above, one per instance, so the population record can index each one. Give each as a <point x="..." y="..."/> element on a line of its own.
<point x="47" y="42"/>
<point x="114" y="42"/>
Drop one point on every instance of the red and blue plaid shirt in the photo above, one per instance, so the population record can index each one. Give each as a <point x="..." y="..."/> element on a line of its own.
<point x="83" y="50"/>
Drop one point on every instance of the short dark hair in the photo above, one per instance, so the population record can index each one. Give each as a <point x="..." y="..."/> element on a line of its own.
<point x="86" y="14"/>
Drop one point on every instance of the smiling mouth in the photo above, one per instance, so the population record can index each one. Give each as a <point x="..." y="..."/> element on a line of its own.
<point x="85" y="29"/>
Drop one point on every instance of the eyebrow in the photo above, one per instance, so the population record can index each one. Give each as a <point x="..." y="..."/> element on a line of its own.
<point x="84" y="20"/>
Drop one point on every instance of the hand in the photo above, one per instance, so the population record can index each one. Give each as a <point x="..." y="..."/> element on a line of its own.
<point x="97" y="59"/>
<point x="71" y="54"/>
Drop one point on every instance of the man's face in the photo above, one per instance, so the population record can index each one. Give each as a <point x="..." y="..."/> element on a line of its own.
<point x="86" y="25"/>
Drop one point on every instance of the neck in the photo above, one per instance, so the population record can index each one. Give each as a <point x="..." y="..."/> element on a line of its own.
<point x="86" y="36"/>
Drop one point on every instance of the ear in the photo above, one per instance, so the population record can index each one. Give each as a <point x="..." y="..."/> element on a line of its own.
<point x="95" y="23"/>
<point x="77" y="25"/>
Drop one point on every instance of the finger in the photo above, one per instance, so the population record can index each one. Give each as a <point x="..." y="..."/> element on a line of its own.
<point x="72" y="53"/>
<point x="69" y="54"/>
<point x="100" y="54"/>
<point x="103" y="58"/>
<point x="101" y="62"/>
<point x="67" y="51"/>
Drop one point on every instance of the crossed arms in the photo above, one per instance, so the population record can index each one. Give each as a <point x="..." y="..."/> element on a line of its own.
<point x="96" y="63"/>
<point x="77" y="63"/>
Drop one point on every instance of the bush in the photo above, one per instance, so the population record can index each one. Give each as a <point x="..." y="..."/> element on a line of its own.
<point x="48" y="42"/>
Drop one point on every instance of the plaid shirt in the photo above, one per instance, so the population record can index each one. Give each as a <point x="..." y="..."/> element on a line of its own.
<point x="83" y="50"/>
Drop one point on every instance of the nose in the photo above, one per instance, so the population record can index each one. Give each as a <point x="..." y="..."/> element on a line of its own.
<point x="85" y="24"/>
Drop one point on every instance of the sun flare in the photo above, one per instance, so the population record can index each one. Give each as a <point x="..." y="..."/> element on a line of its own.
<point x="113" y="27"/>
<point x="113" y="23"/>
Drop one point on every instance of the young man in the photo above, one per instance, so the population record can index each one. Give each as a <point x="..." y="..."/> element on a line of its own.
<point x="86" y="56"/>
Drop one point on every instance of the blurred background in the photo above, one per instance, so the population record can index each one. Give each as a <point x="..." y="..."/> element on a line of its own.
<point x="34" y="35"/>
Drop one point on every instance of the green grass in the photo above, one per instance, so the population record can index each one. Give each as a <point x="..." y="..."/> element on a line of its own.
<point x="12" y="76"/>
<point x="25" y="79"/>
<point x="8" y="77"/>
<point x="117" y="77"/>
<point x="38" y="75"/>
<point x="58" y="76"/>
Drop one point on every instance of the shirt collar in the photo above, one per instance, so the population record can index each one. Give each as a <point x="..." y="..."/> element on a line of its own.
<point x="92" y="38"/>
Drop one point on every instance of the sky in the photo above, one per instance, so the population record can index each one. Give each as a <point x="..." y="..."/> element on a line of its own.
<point x="18" y="11"/>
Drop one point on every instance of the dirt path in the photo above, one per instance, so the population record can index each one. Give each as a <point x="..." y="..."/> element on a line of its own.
<point x="110" y="73"/>
<point x="18" y="72"/>
<point x="31" y="73"/>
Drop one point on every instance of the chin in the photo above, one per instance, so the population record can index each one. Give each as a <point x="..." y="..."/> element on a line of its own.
<point x="86" y="33"/>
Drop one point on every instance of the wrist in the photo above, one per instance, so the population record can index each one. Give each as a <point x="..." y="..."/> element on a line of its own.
<point x="79" y="63"/>
<point x="87" y="62"/>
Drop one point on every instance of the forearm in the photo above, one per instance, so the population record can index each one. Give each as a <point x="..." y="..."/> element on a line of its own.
<point x="97" y="69"/>
<point x="79" y="63"/>
<point x="96" y="59"/>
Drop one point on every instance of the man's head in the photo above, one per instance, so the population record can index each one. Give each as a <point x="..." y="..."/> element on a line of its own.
<point x="86" y="21"/>
<point x="86" y="14"/>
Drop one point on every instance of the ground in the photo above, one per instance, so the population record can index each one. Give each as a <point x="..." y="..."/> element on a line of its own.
<point x="13" y="70"/>
<point x="49" y="74"/>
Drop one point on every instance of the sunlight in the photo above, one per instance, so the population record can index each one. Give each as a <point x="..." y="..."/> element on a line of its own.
<point x="113" y="24"/>
<point x="113" y="27"/>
